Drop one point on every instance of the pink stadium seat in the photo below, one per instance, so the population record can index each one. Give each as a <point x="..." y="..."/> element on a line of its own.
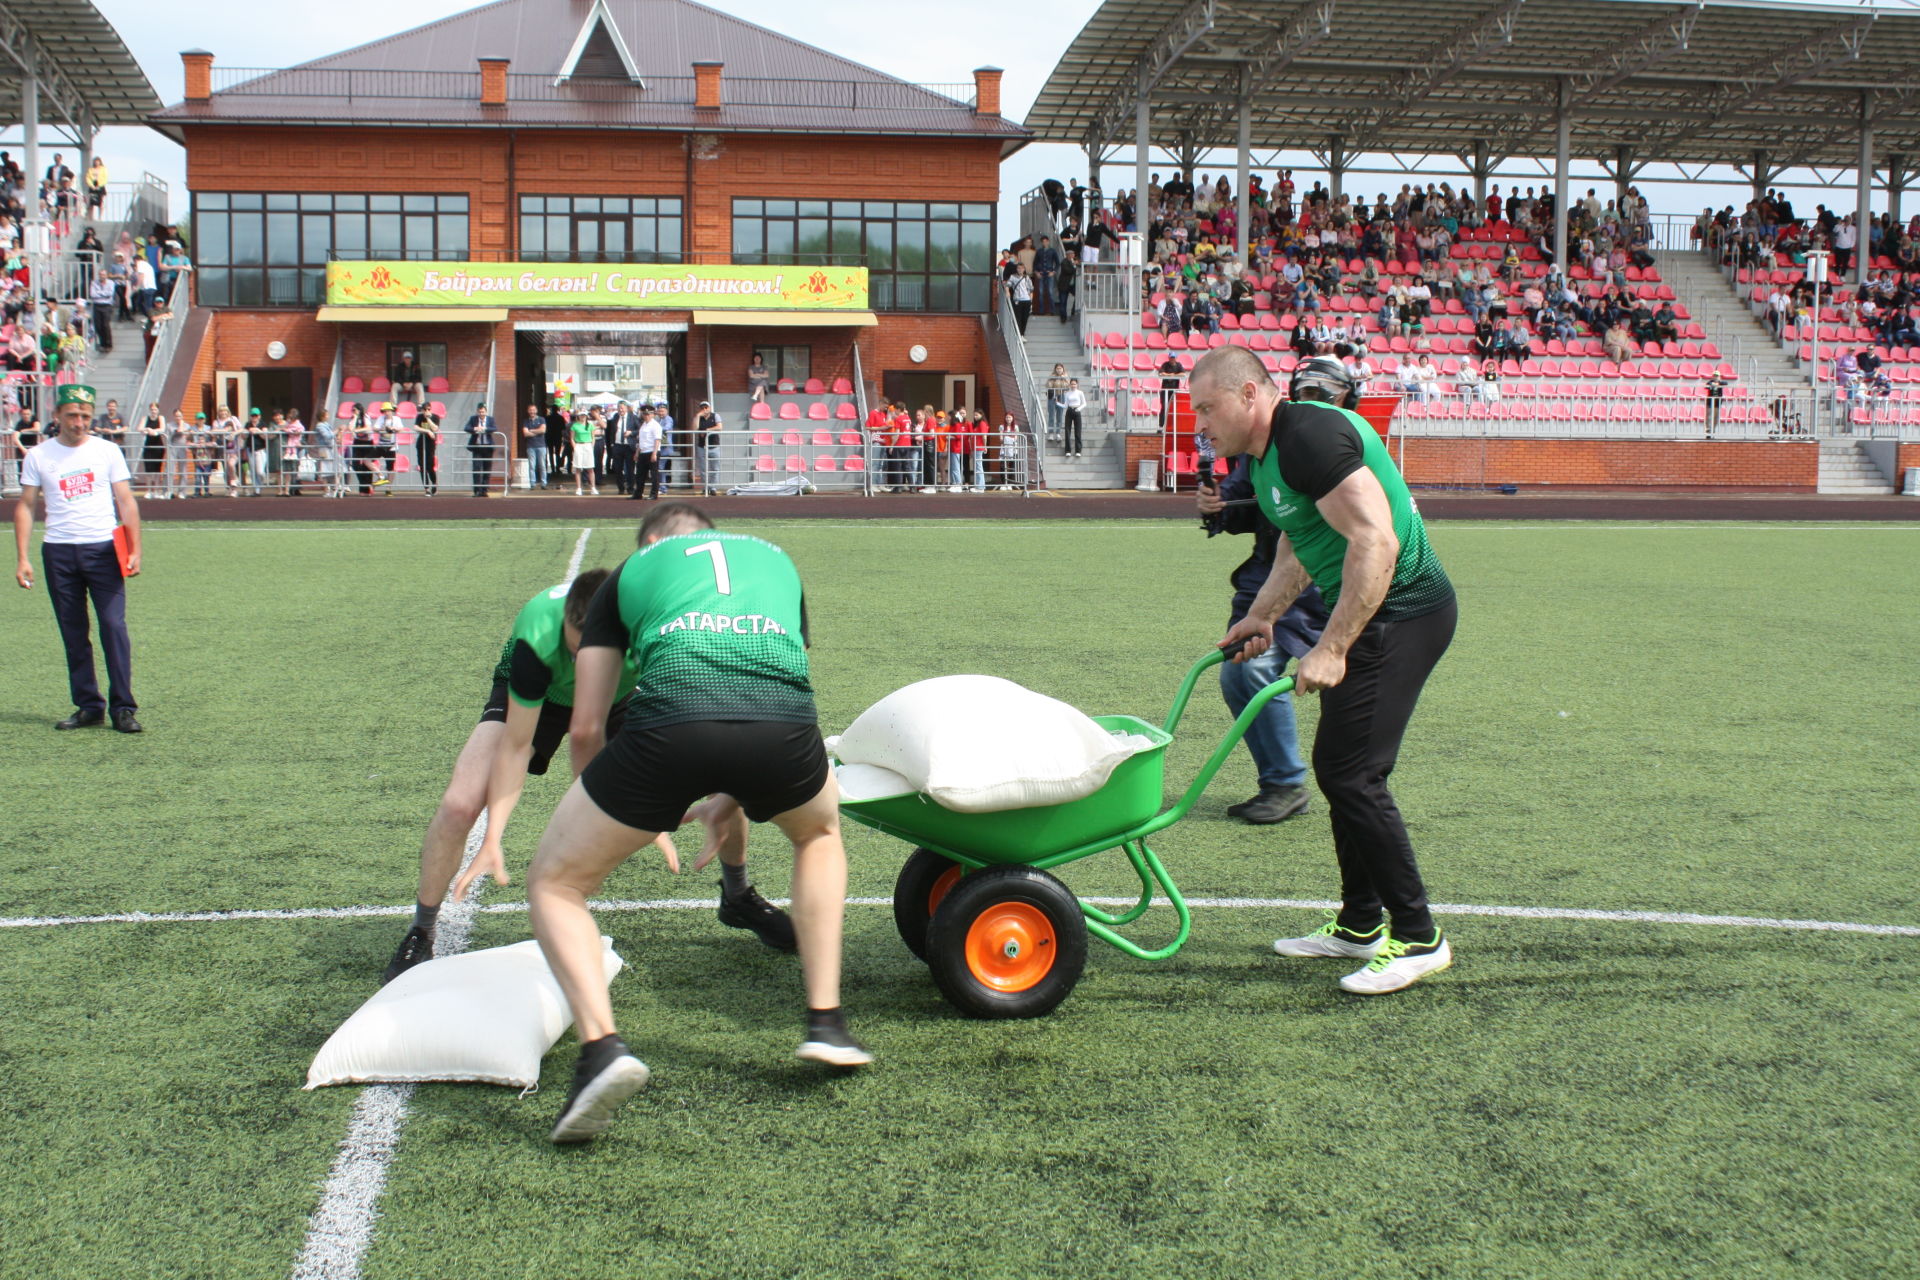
<point x="765" y="463"/>
<point x="815" y="387"/>
<point x="407" y="411"/>
<point x="784" y="387"/>
<point x="848" y="411"/>
<point x="796" y="463"/>
<point x="440" y="386"/>
<point x="825" y="463"/>
<point x="760" y="412"/>
<point x="346" y="409"/>
<point x="850" y="439"/>
<point x="437" y="409"/>
<point x="763" y="437"/>
<point x="401" y="462"/>
<point x="403" y="439"/>
<point x="843" y="386"/>
<point x="790" y="438"/>
<point x="854" y="463"/>
<point x="380" y="386"/>
<point x="822" y="439"/>
<point x="789" y="410"/>
<point x="1156" y="342"/>
<point x="353" y="387"/>
<point x="818" y="410"/>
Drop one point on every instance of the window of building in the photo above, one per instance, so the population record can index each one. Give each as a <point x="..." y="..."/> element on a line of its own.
<point x="599" y="229"/>
<point x="919" y="256"/>
<point x="794" y="363"/>
<point x="263" y="250"/>
<point x="431" y="356"/>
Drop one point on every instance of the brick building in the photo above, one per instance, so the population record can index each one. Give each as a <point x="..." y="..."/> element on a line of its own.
<point x="604" y="135"/>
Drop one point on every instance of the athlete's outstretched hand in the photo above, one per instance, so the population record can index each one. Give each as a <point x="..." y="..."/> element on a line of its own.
<point x="664" y="843"/>
<point x="488" y="862"/>
<point x="724" y="822"/>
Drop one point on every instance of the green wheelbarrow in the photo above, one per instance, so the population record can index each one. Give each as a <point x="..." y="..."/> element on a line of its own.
<point x="1003" y="938"/>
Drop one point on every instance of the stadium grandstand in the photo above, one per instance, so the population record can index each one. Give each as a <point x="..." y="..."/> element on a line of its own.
<point x="1566" y="334"/>
<point x="65" y="74"/>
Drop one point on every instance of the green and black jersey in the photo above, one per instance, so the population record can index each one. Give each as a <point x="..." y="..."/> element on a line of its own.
<point x="715" y="624"/>
<point x="536" y="664"/>
<point x="1311" y="449"/>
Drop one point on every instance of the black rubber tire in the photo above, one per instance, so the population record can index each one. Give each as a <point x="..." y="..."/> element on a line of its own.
<point x="978" y="894"/>
<point x="913" y="895"/>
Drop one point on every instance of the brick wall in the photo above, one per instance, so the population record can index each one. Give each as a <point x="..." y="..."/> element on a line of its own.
<point x="1787" y="466"/>
<point x="954" y="344"/>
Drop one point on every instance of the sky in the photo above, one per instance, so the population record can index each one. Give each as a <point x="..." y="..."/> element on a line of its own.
<point x="945" y="48"/>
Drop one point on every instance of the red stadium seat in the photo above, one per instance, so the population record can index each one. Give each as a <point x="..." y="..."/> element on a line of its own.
<point x="760" y="411"/>
<point x="789" y="410"/>
<point x="784" y="387"/>
<point x="851" y="439"/>
<point x="790" y="438"/>
<point x="796" y="463"/>
<point x="823" y="439"/>
<point x="765" y="463"/>
<point x="438" y="386"/>
<point x="763" y="437"/>
<point x="854" y="463"/>
<point x="843" y="386"/>
<point x="815" y="387"/>
<point x="818" y="410"/>
<point x="848" y="411"/>
<point x="825" y="463"/>
<point x="381" y="386"/>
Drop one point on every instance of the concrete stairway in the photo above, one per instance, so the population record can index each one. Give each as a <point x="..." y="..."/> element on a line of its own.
<point x="1845" y="469"/>
<point x="1725" y="316"/>
<point x="1103" y="459"/>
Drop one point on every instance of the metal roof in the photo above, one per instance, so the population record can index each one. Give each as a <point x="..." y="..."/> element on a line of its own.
<point x="429" y="75"/>
<point x="1676" y="80"/>
<point x="87" y="75"/>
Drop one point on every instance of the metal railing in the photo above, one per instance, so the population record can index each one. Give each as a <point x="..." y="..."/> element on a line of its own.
<point x="1032" y="399"/>
<point x="444" y="86"/>
<point x="160" y="359"/>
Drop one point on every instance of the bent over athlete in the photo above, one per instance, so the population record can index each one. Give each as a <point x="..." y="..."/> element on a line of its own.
<point x="715" y="625"/>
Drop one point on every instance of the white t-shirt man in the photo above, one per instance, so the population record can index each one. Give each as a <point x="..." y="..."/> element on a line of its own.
<point x="647" y="438"/>
<point x="78" y="485"/>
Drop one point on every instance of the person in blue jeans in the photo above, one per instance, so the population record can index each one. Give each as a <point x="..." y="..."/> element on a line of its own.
<point x="533" y="434"/>
<point x="1272" y="739"/>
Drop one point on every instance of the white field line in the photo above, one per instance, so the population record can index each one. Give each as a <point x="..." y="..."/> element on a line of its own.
<point x="1263" y="904"/>
<point x="341" y="1227"/>
<point x="1083" y="524"/>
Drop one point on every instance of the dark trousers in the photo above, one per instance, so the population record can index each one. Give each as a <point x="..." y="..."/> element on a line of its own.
<point x="482" y="471"/>
<point x="646" y="467"/>
<point x="1021" y="310"/>
<point x="103" y="325"/>
<point x="1070" y="440"/>
<point x="74" y="572"/>
<point x="620" y="468"/>
<point x="1362" y="720"/>
<point x="426" y="454"/>
<point x="1043" y="292"/>
<point x="359" y="458"/>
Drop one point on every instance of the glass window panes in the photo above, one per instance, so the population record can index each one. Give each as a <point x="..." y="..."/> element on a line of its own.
<point x="599" y="228"/>
<point x="919" y="257"/>
<point x="272" y="249"/>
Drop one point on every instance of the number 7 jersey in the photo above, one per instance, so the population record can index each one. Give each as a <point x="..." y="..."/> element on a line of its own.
<point x="715" y="623"/>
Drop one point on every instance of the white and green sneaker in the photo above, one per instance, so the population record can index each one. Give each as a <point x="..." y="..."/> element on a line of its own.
<point x="1331" y="942"/>
<point x="1399" y="963"/>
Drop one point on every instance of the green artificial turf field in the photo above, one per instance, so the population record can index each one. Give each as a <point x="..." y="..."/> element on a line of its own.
<point x="1712" y="719"/>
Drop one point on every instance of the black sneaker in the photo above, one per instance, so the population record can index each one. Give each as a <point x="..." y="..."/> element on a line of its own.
<point x="748" y="910"/>
<point x="1273" y="804"/>
<point x="81" y="720"/>
<point x="834" y="1046"/>
<point x="606" y="1076"/>
<point x="415" y="948"/>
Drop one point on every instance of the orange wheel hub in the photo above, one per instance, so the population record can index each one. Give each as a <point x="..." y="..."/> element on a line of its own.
<point x="1011" y="946"/>
<point x="946" y="880"/>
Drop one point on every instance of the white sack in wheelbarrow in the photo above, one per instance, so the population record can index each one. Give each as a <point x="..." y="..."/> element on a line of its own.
<point x="979" y="744"/>
<point x="486" y="1016"/>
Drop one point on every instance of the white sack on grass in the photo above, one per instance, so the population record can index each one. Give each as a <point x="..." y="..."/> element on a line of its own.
<point x="979" y="744"/>
<point x="486" y="1016"/>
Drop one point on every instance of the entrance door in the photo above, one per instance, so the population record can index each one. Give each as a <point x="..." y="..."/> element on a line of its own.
<point x="230" y="392"/>
<point x="278" y="390"/>
<point x="959" y="393"/>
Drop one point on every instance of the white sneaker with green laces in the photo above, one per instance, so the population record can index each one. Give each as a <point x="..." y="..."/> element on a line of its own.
<point x="1398" y="964"/>
<point x="1330" y="941"/>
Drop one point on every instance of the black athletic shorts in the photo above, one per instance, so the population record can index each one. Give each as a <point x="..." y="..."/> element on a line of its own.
<point x="554" y="722"/>
<point x="649" y="778"/>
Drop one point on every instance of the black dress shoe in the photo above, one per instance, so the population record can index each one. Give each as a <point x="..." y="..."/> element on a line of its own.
<point x="82" y="720"/>
<point x="123" y="721"/>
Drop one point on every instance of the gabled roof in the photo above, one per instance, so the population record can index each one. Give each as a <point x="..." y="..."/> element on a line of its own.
<point x="599" y="51"/>
<point x="429" y="75"/>
<point x="91" y="67"/>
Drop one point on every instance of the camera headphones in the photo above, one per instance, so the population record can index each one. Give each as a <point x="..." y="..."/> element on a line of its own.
<point x="1324" y="378"/>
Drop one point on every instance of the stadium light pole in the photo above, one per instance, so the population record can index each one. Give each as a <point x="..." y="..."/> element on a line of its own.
<point x="1817" y="272"/>
<point x="1863" y="196"/>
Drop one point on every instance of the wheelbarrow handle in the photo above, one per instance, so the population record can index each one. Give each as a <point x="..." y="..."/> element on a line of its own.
<point x="1212" y="658"/>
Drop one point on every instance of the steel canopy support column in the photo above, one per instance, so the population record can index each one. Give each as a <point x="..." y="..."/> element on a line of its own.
<point x="30" y="133"/>
<point x="1863" y="194"/>
<point x="1482" y="170"/>
<point x="1142" y="141"/>
<point x="1762" y="175"/>
<point x="1243" y="145"/>
<point x="1562" y="144"/>
<point x="1897" y="175"/>
<point x="1622" y="174"/>
<point x="1093" y="168"/>
<point x="1336" y="165"/>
